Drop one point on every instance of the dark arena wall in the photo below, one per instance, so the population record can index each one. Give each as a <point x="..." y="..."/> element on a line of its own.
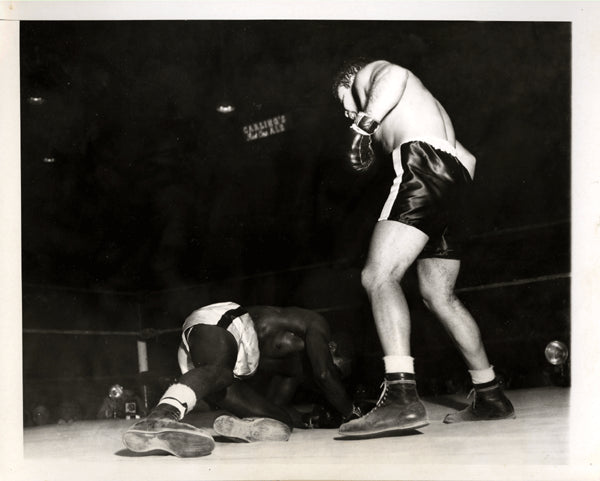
<point x="141" y="201"/>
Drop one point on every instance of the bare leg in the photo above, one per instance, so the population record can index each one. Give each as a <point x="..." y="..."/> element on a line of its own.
<point x="214" y="353"/>
<point x="394" y="247"/>
<point x="437" y="278"/>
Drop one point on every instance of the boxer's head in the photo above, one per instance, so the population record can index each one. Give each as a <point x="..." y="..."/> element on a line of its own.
<point x="342" y="85"/>
<point x="344" y="78"/>
<point x="341" y="348"/>
<point x="282" y="343"/>
<point x="348" y="102"/>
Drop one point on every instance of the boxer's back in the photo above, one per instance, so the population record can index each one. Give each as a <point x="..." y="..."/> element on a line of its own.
<point x="418" y="114"/>
<point x="280" y="330"/>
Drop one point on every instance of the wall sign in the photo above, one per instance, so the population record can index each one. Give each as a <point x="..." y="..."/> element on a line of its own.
<point x="265" y="128"/>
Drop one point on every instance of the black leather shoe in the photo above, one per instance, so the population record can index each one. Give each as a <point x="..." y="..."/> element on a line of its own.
<point x="162" y="431"/>
<point x="399" y="409"/>
<point x="490" y="403"/>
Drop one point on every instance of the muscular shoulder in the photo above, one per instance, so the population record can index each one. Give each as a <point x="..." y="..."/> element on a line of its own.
<point x="294" y="319"/>
<point x="309" y="321"/>
<point x="379" y="69"/>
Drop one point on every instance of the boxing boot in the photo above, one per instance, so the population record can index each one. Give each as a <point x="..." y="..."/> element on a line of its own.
<point x="489" y="403"/>
<point x="398" y="409"/>
<point x="162" y="431"/>
<point x="251" y="429"/>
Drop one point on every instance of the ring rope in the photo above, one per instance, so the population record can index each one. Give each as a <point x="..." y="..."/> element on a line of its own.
<point x="149" y="333"/>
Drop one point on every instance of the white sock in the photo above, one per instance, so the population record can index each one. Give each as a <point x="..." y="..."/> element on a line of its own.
<point x="480" y="376"/>
<point x="399" y="364"/>
<point x="181" y="397"/>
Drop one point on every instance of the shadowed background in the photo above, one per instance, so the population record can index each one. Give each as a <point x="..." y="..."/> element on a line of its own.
<point x="141" y="202"/>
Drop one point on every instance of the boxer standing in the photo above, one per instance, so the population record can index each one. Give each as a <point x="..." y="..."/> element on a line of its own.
<point x="389" y="105"/>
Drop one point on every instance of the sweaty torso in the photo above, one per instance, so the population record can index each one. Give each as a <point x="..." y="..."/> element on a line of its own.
<point x="417" y="115"/>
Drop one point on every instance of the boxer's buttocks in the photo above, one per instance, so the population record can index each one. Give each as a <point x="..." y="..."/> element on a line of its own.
<point x="234" y="319"/>
<point x="281" y="344"/>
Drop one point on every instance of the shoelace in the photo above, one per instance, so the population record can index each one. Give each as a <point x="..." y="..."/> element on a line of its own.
<point x="472" y="394"/>
<point x="382" y="396"/>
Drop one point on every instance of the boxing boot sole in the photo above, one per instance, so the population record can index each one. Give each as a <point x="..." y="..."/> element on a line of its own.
<point x="461" y="417"/>
<point x="251" y="429"/>
<point x="182" y="442"/>
<point x="392" y="430"/>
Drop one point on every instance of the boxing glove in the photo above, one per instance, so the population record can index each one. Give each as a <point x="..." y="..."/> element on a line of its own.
<point x="355" y="414"/>
<point x="322" y="418"/>
<point x="361" y="154"/>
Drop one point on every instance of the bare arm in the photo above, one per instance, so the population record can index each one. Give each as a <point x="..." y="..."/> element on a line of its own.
<point x="324" y="371"/>
<point x="282" y="389"/>
<point x="383" y="88"/>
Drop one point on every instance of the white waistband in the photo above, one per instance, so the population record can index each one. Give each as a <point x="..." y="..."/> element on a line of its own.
<point x="435" y="142"/>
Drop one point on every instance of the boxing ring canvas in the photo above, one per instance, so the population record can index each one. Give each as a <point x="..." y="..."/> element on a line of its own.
<point x="537" y="439"/>
<point x="168" y="157"/>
